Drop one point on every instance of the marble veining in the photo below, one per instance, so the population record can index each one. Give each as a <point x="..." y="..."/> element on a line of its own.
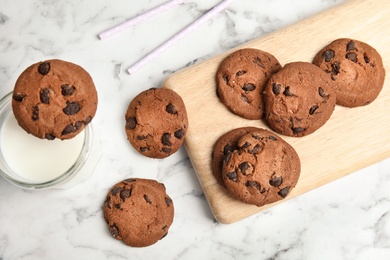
<point x="346" y="219"/>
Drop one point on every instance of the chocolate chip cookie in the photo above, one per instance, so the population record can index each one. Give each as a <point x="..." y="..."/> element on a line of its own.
<point x="241" y="78"/>
<point x="156" y="122"/>
<point x="299" y="99"/>
<point x="138" y="212"/>
<point x="264" y="169"/>
<point x="356" y="68"/>
<point x="54" y="99"/>
<point x="225" y="145"/>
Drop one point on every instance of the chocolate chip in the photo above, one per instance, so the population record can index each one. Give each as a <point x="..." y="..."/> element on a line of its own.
<point x="253" y="184"/>
<point x="71" y="108"/>
<point x="232" y="176"/>
<point x="115" y="190"/>
<point x="171" y="109"/>
<point x="351" y="56"/>
<point x="44" y="96"/>
<point x="228" y="149"/>
<point x="88" y="120"/>
<point x="226" y="157"/>
<point x="50" y="137"/>
<point x="284" y="192"/>
<point x="297" y="130"/>
<point x="366" y="59"/>
<point x="108" y="202"/>
<point x="321" y="92"/>
<point x="130" y="180"/>
<point x="244" y="167"/>
<point x="328" y="55"/>
<point x="351" y="46"/>
<point x="255" y="149"/>
<point x="245" y="98"/>
<point x="142" y="137"/>
<point x="67" y="90"/>
<point x="273" y="138"/>
<point x="257" y="137"/>
<point x="258" y="62"/>
<point x="117" y="206"/>
<point x="114" y="230"/>
<point x="248" y="87"/>
<point x="18" y="97"/>
<point x="143" y="149"/>
<point x="225" y="78"/>
<point x="276" y="88"/>
<point x="287" y="92"/>
<point x="79" y="124"/>
<point x="335" y="68"/>
<point x="166" y="150"/>
<point x="165" y="139"/>
<point x="179" y="134"/>
<point x="44" y="68"/>
<point x="313" y="109"/>
<point x="125" y="194"/>
<point x="245" y="145"/>
<point x="240" y="73"/>
<point x="131" y="122"/>
<point x="68" y="129"/>
<point x="35" y="114"/>
<point x="147" y="199"/>
<point x="168" y="201"/>
<point x="275" y="181"/>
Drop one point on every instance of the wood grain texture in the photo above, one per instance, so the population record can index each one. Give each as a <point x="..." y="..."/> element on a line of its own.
<point x="352" y="139"/>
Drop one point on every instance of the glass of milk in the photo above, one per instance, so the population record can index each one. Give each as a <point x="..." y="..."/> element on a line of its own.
<point x="30" y="162"/>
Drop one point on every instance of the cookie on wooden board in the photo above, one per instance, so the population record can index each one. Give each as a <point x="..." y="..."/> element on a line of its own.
<point x="138" y="211"/>
<point x="299" y="99"/>
<point x="356" y="68"/>
<point x="264" y="169"/>
<point x="156" y="122"/>
<point x="241" y="78"/>
<point x="54" y="99"/>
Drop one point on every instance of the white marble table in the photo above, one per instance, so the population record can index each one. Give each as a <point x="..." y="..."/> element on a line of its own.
<point x="346" y="219"/>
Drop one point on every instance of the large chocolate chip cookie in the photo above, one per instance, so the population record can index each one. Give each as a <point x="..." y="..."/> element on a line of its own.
<point x="299" y="99"/>
<point x="138" y="211"/>
<point x="54" y="99"/>
<point x="263" y="170"/>
<point x="241" y="78"/>
<point x="156" y="122"/>
<point x="356" y="68"/>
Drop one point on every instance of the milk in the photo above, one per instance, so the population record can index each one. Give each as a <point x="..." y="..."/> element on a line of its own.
<point x="37" y="160"/>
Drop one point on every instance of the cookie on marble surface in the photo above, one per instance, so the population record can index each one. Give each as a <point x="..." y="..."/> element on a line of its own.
<point x="356" y="68"/>
<point x="264" y="169"/>
<point x="138" y="211"/>
<point x="54" y="99"/>
<point x="299" y="99"/>
<point x="156" y="122"/>
<point x="241" y="78"/>
<point x="225" y="145"/>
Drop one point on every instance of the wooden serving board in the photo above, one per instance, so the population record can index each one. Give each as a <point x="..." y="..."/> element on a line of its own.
<point x="350" y="140"/>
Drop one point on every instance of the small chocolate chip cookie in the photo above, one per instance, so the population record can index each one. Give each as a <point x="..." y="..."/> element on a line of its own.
<point x="299" y="99"/>
<point x="138" y="212"/>
<point x="264" y="169"/>
<point x="225" y="145"/>
<point x="54" y="99"/>
<point x="156" y="122"/>
<point x="241" y="78"/>
<point x="356" y="68"/>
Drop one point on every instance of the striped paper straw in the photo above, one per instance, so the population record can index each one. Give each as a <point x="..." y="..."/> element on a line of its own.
<point x="139" y="19"/>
